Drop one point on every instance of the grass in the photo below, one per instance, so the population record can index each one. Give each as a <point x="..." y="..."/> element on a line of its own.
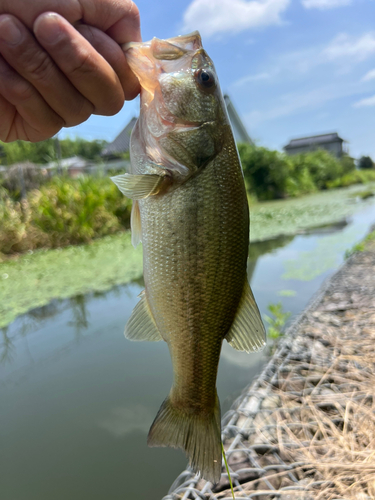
<point x="361" y="246"/>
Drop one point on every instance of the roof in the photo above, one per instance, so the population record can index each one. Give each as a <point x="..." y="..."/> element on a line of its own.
<point x="315" y="139"/>
<point x="240" y="131"/>
<point x="122" y="141"/>
<point x="72" y="162"/>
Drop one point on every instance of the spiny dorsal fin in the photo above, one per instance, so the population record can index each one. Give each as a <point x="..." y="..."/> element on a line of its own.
<point x="135" y="224"/>
<point x="137" y="186"/>
<point x="247" y="332"/>
<point x="141" y="325"/>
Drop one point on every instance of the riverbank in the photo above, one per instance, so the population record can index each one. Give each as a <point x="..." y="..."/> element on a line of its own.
<point x="34" y="279"/>
<point x="305" y="427"/>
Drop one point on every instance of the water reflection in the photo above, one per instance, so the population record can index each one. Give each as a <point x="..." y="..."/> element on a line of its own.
<point x="7" y="347"/>
<point x="80" y="315"/>
<point x="52" y="331"/>
<point x="125" y="420"/>
<point x="72" y="388"/>
<point x="77" y="308"/>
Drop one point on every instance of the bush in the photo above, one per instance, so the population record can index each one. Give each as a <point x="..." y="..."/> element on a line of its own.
<point x="365" y="162"/>
<point x="355" y="177"/>
<point x="75" y="211"/>
<point x="322" y="167"/>
<point x="63" y="212"/>
<point x="347" y="164"/>
<point x="265" y="171"/>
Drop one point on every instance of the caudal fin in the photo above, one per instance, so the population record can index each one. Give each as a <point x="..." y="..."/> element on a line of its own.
<point x="199" y="435"/>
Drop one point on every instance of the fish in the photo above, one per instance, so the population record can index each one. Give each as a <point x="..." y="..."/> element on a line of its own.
<point x="191" y="213"/>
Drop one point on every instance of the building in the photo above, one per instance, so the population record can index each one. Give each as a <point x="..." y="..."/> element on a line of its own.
<point x="330" y="142"/>
<point x="74" y="166"/>
<point x="122" y="142"/>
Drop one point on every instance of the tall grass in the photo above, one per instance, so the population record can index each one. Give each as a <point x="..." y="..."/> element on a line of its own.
<point x="62" y="212"/>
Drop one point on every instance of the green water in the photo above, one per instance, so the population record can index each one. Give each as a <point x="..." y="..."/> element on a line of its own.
<point x="77" y="399"/>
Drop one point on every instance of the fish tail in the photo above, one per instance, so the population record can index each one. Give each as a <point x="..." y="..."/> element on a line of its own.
<point x="199" y="435"/>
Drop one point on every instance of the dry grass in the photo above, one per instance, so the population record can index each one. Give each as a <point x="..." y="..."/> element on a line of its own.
<point x="318" y="414"/>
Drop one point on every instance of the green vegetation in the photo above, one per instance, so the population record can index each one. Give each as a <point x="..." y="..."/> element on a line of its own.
<point x="270" y="174"/>
<point x="62" y="212"/>
<point x="36" y="278"/>
<point x="46" y="151"/>
<point x="361" y="246"/>
<point x="33" y="279"/>
<point x="355" y="177"/>
<point x="277" y="321"/>
<point x="365" y="162"/>
<point x="289" y="217"/>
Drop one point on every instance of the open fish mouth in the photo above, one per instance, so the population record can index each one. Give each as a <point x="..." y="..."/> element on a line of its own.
<point x="189" y="42"/>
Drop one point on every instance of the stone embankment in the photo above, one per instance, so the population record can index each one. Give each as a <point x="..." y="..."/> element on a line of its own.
<point x="305" y="428"/>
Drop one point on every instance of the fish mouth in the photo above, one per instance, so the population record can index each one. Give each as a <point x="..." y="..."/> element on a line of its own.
<point x="190" y="42"/>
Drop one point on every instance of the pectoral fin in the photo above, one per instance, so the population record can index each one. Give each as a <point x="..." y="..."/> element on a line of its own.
<point x="247" y="332"/>
<point x="141" y="325"/>
<point x="135" y="224"/>
<point x="138" y="186"/>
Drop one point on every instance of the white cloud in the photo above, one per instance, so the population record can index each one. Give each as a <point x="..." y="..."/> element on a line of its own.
<point x="324" y="4"/>
<point x="344" y="51"/>
<point x="123" y="420"/>
<point x="370" y="101"/>
<point x="369" y="76"/>
<point x="222" y="16"/>
<point x="345" y="46"/>
<point x="252" y="78"/>
<point x="297" y="102"/>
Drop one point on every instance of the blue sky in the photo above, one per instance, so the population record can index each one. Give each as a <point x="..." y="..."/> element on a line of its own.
<point x="291" y="67"/>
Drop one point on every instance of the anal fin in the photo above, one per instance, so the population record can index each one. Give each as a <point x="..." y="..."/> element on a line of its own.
<point x="247" y="332"/>
<point x="138" y="186"/>
<point x="141" y="325"/>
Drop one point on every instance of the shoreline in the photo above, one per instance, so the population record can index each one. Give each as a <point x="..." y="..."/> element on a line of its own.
<point x="34" y="279"/>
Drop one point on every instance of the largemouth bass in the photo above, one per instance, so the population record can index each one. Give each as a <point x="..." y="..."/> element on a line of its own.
<point x="191" y="213"/>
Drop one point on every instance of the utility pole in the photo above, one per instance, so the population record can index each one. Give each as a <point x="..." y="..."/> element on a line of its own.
<point x="58" y="154"/>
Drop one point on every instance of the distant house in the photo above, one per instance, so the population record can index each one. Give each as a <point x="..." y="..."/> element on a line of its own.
<point x="330" y="142"/>
<point x="122" y="142"/>
<point x="74" y="166"/>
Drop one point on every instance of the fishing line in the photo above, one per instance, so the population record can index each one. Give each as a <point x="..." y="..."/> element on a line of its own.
<point x="226" y="466"/>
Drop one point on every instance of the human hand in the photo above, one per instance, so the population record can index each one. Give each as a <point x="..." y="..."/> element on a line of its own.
<point x="53" y="74"/>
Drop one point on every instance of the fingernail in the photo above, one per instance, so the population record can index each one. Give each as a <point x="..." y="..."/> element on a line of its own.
<point x="47" y="28"/>
<point x="9" y="31"/>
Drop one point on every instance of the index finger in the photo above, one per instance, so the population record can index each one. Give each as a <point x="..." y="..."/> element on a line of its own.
<point x="119" y="18"/>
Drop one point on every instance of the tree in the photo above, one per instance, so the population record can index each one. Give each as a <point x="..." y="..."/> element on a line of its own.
<point x="45" y="151"/>
<point x="365" y="162"/>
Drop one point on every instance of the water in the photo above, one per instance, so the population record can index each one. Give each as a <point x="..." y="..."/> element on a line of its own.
<point x="77" y="399"/>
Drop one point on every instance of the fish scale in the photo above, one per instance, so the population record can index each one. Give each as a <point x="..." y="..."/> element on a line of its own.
<point x="190" y="211"/>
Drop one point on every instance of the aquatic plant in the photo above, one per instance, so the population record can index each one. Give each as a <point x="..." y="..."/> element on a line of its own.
<point x="277" y="322"/>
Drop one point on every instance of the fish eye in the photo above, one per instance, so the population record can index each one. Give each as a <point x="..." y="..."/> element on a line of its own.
<point x="205" y="78"/>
